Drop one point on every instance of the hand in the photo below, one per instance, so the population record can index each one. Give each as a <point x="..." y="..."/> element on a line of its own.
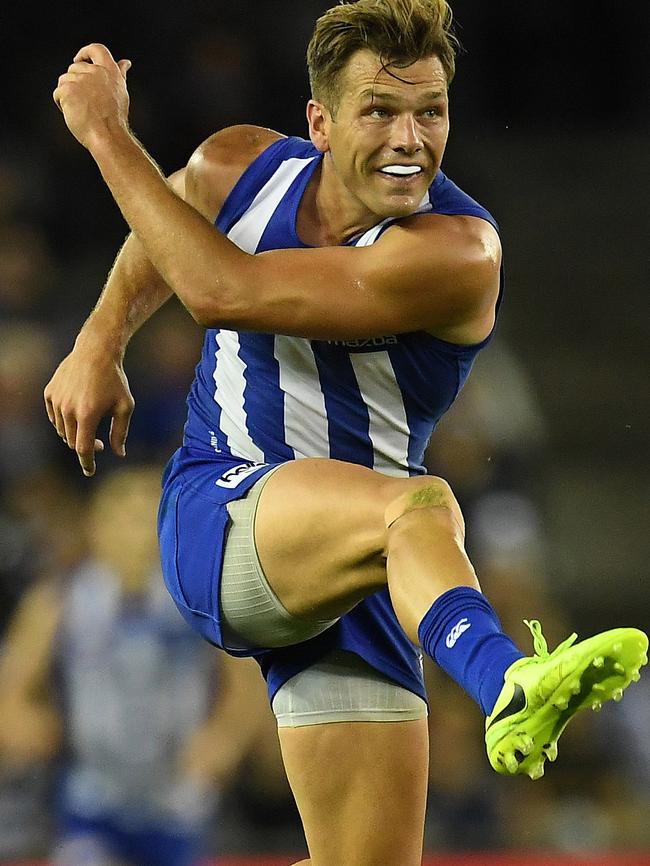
<point x="92" y="94"/>
<point x="89" y="384"/>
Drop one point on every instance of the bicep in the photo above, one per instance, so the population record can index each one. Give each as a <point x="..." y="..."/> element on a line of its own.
<point x="407" y="281"/>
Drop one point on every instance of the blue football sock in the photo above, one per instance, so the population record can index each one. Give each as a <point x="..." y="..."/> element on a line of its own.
<point x="462" y="633"/>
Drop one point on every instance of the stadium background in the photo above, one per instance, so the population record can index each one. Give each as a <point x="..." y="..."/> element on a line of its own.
<point x="548" y="447"/>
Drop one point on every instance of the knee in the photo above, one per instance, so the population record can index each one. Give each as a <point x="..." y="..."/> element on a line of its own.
<point x="425" y="492"/>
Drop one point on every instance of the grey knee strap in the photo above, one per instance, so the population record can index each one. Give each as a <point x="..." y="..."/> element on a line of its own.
<point x="342" y="687"/>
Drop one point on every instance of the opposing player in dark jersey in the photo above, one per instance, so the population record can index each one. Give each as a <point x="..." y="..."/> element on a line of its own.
<point x="345" y="291"/>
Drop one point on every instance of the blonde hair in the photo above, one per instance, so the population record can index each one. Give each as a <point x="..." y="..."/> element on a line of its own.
<point x="399" y="32"/>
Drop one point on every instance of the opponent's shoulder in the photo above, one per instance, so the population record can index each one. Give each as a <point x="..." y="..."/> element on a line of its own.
<point x="218" y="163"/>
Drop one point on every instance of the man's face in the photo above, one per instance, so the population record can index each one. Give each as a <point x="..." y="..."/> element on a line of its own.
<point x="387" y="137"/>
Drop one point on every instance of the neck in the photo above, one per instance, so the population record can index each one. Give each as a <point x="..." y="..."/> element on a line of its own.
<point x="329" y="215"/>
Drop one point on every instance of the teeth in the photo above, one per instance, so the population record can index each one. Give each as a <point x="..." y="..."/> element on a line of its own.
<point x="618" y="667"/>
<point x="560" y="703"/>
<point x="596" y="706"/>
<point x="598" y="662"/>
<point x="636" y="676"/>
<point x="402" y="169"/>
<point x="537" y="772"/>
<point x="618" y="695"/>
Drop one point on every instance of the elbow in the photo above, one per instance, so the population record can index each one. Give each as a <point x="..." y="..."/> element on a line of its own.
<point x="205" y="315"/>
<point x="202" y="315"/>
<point x="203" y="301"/>
<point x="210" y="312"/>
<point x="220" y="300"/>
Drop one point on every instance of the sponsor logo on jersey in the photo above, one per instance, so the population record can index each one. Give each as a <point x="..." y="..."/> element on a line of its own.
<point x="461" y="626"/>
<point x="236" y="475"/>
<point x="366" y="344"/>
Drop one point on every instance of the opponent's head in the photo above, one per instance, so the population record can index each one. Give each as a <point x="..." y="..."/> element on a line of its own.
<point x="122" y="524"/>
<point x="379" y="72"/>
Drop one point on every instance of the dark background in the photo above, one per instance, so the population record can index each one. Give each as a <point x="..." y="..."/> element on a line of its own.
<point x="550" y="130"/>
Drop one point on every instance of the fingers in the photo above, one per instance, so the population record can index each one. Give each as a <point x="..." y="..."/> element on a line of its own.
<point x="49" y="408"/>
<point x="70" y="425"/>
<point x="88" y="61"/>
<point x="86" y="445"/>
<point x="77" y="398"/>
<point x="59" y="424"/>
<point x="69" y="77"/>
<point x="95" y="53"/>
<point x="77" y="431"/>
<point x="78" y="69"/>
<point x="120" y="428"/>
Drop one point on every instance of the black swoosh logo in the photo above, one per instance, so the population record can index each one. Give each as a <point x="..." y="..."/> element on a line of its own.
<point x="517" y="703"/>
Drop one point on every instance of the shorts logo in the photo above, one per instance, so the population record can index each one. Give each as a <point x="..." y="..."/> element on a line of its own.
<point x="461" y="626"/>
<point x="236" y="475"/>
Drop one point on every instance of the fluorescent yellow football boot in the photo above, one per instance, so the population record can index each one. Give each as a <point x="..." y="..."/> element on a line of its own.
<point x="542" y="693"/>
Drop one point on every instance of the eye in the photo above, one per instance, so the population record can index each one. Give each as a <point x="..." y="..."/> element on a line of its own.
<point x="431" y="113"/>
<point x="379" y="113"/>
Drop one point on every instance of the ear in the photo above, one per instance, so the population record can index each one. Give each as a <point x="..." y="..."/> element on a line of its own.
<point x="319" y="120"/>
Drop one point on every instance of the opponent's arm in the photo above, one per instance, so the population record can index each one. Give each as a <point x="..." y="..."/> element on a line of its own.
<point x="31" y="727"/>
<point x="240" y="716"/>
<point x="440" y="275"/>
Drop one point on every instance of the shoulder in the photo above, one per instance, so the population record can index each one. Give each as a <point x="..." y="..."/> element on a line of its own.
<point x="465" y="242"/>
<point x="458" y="229"/>
<point x="218" y="163"/>
<point x="464" y="254"/>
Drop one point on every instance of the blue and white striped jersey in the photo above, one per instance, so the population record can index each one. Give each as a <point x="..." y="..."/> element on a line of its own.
<point x="268" y="398"/>
<point x="134" y="683"/>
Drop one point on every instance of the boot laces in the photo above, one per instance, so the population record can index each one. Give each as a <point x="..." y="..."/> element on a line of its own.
<point x="539" y="641"/>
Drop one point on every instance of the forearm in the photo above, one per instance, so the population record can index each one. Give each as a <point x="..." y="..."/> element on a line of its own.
<point x="133" y="292"/>
<point x="199" y="265"/>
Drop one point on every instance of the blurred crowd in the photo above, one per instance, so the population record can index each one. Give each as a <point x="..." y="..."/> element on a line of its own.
<point x="114" y="718"/>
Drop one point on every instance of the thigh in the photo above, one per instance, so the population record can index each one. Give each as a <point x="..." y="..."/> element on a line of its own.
<point x="320" y="534"/>
<point x="360" y="788"/>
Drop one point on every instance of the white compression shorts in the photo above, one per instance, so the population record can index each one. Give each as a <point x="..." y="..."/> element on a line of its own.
<point x="341" y="687"/>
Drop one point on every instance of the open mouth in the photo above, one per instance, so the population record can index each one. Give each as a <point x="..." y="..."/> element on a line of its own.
<point x="401" y="172"/>
<point x="404" y="175"/>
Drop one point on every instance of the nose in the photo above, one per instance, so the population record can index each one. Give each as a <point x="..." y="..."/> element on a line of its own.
<point x="405" y="135"/>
